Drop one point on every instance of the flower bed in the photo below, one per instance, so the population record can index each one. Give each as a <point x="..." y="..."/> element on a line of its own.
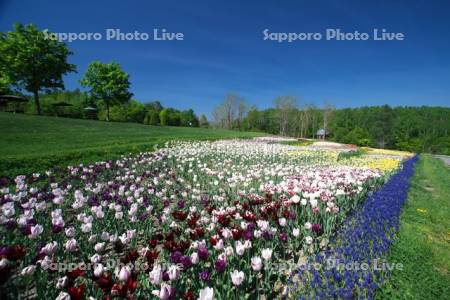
<point x="354" y="266"/>
<point x="191" y="220"/>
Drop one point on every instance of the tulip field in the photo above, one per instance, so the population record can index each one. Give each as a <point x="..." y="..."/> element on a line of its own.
<point x="227" y="219"/>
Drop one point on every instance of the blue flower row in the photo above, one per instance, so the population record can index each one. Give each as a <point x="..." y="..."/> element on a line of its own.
<point x="354" y="267"/>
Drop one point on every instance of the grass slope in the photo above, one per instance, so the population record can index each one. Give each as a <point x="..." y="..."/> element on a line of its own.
<point x="423" y="245"/>
<point x="32" y="143"/>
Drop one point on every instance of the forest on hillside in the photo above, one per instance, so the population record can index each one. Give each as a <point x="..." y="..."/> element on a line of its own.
<point x="416" y="129"/>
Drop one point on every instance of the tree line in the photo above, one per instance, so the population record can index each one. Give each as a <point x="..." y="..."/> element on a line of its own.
<point x="150" y="113"/>
<point x="416" y="129"/>
<point x="31" y="62"/>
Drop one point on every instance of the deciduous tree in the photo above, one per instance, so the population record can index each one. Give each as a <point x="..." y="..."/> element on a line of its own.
<point x="32" y="62"/>
<point x="108" y="84"/>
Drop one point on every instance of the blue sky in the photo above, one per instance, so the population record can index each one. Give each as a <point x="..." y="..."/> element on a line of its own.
<point x="223" y="49"/>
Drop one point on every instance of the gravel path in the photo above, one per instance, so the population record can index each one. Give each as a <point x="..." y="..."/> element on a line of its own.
<point x="444" y="158"/>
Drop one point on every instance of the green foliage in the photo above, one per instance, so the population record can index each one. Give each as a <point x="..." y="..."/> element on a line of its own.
<point x="440" y="145"/>
<point x="108" y="84"/>
<point x="35" y="144"/>
<point x="297" y="143"/>
<point x="422" y="243"/>
<point x="136" y="111"/>
<point x="117" y="113"/>
<point x="358" y="136"/>
<point x="152" y="118"/>
<point x="76" y="102"/>
<point x="169" y="117"/>
<point x="350" y="154"/>
<point x="31" y="61"/>
<point x="5" y="85"/>
<point x="188" y="118"/>
<point x="154" y="105"/>
<point x="415" y="129"/>
<point x="268" y="120"/>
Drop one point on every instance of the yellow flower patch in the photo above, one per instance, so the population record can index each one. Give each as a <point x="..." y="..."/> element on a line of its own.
<point x="387" y="152"/>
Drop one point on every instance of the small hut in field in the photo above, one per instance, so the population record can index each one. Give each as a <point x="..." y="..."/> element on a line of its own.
<point x="90" y="112"/>
<point x="12" y="103"/>
<point x="322" y="134"/>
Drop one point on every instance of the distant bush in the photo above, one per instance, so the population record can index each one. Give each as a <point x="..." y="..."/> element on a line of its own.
<point x="169" y="117"/>
<point x="350" y="154"/>
<point x="152" y="118"/>
<point x="295" y="143"/>
<point x="117" y="113"/>
<point x="136" y="111"/>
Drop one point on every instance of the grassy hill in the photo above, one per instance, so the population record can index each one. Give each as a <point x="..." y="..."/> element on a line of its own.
<point x="34" y="144"/>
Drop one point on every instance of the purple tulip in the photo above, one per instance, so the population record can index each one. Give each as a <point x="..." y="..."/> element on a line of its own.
<point x="316" y="228"/>
<point x="10" y="225"/>
<point x="204" y="275"/>
<point x="166" y="276"/>
<point x="175" y="257"/>
<point x="203" y="253"/>
<point x="220" y="265"/>
<point x="4" y="181"/>
<point x="186" y="262"/>
<point x="180" y="204"/>
<point x="56" y="228"/>
<point x="251" y="226"/>
<point x="248" y="234"/>
<point x="267" y="235"/>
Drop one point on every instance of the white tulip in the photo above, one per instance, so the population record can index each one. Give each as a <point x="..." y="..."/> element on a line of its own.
<point x="256" y="263"/>
<point x="36" y="231"/>
<point x="71" y="245"/>
<point x="237" y="277"/>
<point x="98" y="270"/>
<point x="155" y="276"/>
<point x="266" y="254"/>
<point x="99" y="247"/>
<point x="173" y="272"/>
<point x="240" y="248"/>
<point x="206" y="294"/>
<point x="123" y="273"/>
<point x="70" y="232"/>
<point x="194" y="258"/>
<point x="29" y="270"/>
<point x="295" y="199"/>
<point x="50" y="248"/>
<point x="63" y="296"/>
<point x="62" y="282"/>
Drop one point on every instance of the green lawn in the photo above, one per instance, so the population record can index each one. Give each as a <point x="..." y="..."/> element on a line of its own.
<point x="423" y="244"/>
<point x="32" y="143"/>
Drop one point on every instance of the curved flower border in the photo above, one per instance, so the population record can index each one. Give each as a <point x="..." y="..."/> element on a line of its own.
<point x="351" y="269"/>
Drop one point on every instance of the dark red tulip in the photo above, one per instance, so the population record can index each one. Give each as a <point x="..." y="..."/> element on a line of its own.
<point x="189" y="295"/>
<point x="76" y="293"/>
<point x="75" y="274"/>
